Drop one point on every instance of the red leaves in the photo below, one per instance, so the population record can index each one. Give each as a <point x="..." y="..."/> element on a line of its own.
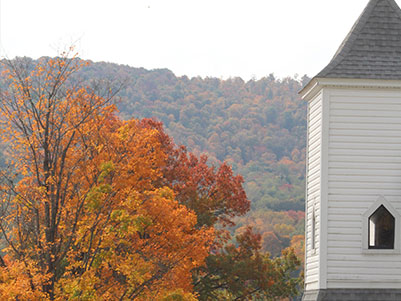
<point x="108" y="209"/>
<point x="215" y="195"/>
<point x="91" y="215"/>
<point x="249" y="240"/>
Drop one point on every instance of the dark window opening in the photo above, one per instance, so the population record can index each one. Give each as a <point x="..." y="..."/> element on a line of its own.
<point x="381" y="229"/>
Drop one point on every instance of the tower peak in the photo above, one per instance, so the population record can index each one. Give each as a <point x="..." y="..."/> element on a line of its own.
<point x="372" y="49"/>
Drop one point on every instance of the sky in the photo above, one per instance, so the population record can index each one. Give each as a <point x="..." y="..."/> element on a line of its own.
<point x="215" y="38"/>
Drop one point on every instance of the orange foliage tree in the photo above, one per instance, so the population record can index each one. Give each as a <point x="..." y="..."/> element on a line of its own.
<point x="238" y="271"/>
<point x="216" y="195"/>
<point x="85" y="212"/>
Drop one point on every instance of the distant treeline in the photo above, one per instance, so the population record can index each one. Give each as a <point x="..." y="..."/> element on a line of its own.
<point x="258" y="127"/>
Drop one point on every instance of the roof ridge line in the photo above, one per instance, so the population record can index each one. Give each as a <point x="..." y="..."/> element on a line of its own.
<point x="395" y="6"/>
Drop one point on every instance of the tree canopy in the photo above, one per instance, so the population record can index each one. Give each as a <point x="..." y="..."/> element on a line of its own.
<point x="94" y="207"/>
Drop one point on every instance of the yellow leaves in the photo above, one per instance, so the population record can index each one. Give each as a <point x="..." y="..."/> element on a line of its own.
<point x="105" y="169"/>
<point x="17" y="279"/>
<point x="146" y="233"/>
<point x="178" y="295"/>
<point x="88" y="207"/>
<point x="96" y="196"/>
<point x="83" y="288"/>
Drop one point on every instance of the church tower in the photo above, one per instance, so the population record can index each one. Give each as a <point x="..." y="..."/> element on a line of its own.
<point x="353" y="193"/>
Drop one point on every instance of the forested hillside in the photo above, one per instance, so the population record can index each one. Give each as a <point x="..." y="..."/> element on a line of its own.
<point x="258" y="127"/>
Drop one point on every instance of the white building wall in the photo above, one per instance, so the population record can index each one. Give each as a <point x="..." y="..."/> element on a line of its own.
<point x="364" y="163"/>
<point x="313" y="192"/>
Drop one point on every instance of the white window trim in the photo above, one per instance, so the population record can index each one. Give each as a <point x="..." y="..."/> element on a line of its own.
<point x="365" y="228"/>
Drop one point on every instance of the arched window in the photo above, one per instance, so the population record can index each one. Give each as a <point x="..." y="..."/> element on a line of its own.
<point x="381" y="229"/>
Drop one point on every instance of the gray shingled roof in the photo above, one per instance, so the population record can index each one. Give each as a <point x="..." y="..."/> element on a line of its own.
<point x="372" y="50"/>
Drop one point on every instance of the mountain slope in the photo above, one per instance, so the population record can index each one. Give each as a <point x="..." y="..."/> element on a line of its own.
<point x="258" y="126"/>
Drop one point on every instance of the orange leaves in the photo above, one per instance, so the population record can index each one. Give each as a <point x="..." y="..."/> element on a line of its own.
<point x="151" y="239"/>
<point x="215" y="195"/>
<point x="19" y="280"/>
<point x="146" y="242"/>
<point x="298" y="245"/>
<point x="89" y="212"/>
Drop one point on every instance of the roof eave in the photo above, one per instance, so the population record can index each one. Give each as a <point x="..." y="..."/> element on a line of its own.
<point x="309" y="90"/>
<point x="317" y="83"/>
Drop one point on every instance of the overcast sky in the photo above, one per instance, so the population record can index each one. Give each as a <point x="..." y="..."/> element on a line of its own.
<point x="220" y="38"/>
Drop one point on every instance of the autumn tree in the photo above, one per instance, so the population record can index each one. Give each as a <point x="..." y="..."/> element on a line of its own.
<point x="83" y="214"/>
<point x="94" y="207"/>
<point x="216" y="195"/>
<point x="243" y="272"/>
<point x="260" y="127"/>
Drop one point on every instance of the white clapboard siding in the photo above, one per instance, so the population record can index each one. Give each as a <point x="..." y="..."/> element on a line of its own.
<point x="364" y="154"/>
<point x="313" y="189"/>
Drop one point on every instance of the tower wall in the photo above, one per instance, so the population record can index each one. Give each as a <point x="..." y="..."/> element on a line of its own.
<point x="364" y="164"/>
<point x="313" y="192"/>
<point x="353" y="167"/>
